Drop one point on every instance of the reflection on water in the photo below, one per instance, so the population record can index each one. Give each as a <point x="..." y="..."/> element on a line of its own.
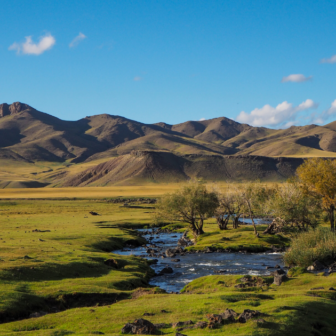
<point x="193" y="266"/>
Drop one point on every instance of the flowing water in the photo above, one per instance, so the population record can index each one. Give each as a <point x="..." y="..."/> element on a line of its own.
<point x="195" y="265"/>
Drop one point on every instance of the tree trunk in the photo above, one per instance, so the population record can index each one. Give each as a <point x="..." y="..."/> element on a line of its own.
<point x="332" y="217"/>
<point x="254" y="226"/>
<point x="222" y="222"/>
<point x="200" y="226"/>
<point x="236" y="222"/>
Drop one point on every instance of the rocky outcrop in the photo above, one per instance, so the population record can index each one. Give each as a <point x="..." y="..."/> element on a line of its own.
<point x="140" y="326"/>
<point x="14" y="108"/>
<point x="279" y="277"/>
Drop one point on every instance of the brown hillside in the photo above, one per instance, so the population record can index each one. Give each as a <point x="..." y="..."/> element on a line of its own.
<point x="28" y="136"/>
<point x="167" y="167"/>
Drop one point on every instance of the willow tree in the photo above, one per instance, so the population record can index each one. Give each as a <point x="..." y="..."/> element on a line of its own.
<point x="231" y="205"/>
<point x="191" y="204"/>
<point x="318" y="178"/>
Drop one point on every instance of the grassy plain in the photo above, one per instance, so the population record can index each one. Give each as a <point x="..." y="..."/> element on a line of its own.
<point x="52" y="254"/>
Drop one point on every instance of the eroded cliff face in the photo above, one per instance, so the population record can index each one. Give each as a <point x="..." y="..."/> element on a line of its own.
<point x="14" y="108"/>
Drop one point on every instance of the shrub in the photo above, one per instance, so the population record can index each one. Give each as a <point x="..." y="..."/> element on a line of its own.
<point x="318" y="244"/>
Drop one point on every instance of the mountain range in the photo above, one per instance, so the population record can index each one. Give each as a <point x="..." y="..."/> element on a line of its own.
<point x="64" y="153"/>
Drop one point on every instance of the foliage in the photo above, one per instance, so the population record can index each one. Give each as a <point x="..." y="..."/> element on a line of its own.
<point x="253" y="197"/>
<point x="191" y="204"/>
<point x="292" y="208"/>
<point x="318" y="244"/>
<point x="317" y="177"/>
<point x="231" y="205"/>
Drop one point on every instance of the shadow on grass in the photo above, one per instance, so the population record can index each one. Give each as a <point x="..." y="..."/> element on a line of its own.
<point x="312" y="318"/>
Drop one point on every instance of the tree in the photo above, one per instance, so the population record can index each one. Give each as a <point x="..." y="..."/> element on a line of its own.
<point x="230" y="206"/>
<point x="253" y="197"/>
<point x="317" y="177"/>
<point x="292" y="209"/>
<point x="191" y="204"/>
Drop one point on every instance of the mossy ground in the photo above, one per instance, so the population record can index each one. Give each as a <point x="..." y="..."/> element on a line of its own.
<point x="63" y="269"/>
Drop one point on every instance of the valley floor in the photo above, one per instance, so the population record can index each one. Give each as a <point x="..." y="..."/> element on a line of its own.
<point x="53" y="256"/>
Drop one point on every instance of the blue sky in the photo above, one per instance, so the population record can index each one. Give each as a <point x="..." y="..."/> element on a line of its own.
<point x="266" y="63"/>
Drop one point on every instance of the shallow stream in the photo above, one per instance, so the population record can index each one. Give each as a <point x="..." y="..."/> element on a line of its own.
<point x="195" y="265"/>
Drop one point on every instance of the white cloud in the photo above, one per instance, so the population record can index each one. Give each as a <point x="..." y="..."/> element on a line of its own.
<point x="80" y="37"/>
<point x="137" y="78"/>
<point x="283" y="115"/>
<point x="332" y="109"/>
<point x="202" y="119"/>
<point x="331" y="60"/>
<point x="325" y="115"/>
<point x="30" y="48"/>
<point x="296" y="78"/>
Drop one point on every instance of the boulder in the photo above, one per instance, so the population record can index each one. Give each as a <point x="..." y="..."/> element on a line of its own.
<point x="247" y="314"/>
<point x="332" y="268"/>
<point x="201" y="325"/>
<point x="166" y="270"/>
<point x="139" y="326"/>
<point x="229" y="314"/>
<point x="170" y="253"/>
<point x="182" y="324"/>
<point x="279" y="279"/>
<point x="215" y="318"/>
<point x="316" y="266"/>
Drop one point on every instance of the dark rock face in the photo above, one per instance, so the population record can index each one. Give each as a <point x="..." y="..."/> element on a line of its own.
<point x="140" y="326"/>
<point x="4" y="110"/>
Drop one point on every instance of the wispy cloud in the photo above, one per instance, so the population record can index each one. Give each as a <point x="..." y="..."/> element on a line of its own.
<point x="80" y="37"/>
<point x="28" y="47"/>
<point x="325" y="115"/>
<point x="137" y="78"/>
<point x="296" y="78"/>
<point x="283" y="115"/>
<point x="330" y="60"/>
<point x="202" y="119"/>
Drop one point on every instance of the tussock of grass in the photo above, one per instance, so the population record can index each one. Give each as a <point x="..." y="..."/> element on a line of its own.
<point x="318" y="244"/>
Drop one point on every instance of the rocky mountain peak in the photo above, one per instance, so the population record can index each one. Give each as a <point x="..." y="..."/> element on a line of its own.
<point x="14" y="108"/>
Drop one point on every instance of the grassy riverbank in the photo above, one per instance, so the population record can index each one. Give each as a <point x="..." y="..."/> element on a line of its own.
<point x="52" y="255"/>
<point x="294" y="308"/>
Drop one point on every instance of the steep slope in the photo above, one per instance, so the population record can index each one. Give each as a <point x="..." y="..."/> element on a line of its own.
<point x="146" y="166"/>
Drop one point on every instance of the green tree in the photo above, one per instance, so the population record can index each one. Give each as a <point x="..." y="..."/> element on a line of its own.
<point x="191" y="204"/>
<point x="253" y="196"/>
<point x="292" y="208"/>
<point x="317" y="177"/>
<point x="231" y="205"/>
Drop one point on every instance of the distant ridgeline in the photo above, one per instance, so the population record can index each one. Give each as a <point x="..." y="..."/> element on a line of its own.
<point x="127" y="150"/>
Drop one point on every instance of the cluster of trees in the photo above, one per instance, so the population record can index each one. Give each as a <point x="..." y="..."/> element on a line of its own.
<point x="296" y="205"/>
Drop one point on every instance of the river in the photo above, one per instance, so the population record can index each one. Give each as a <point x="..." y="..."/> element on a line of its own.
<point x="195" y="265"/>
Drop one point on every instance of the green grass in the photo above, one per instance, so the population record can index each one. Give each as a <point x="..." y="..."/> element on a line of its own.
<point x="62" y="269"/>
<point x="288" y="310"/>
<point x="239" y="239"/>
<point x="62" y="265"/>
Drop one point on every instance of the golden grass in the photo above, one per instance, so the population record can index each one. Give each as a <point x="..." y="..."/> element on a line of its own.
<point x="90" y="192"/>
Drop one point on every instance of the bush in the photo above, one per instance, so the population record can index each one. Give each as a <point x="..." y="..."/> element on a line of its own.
<point x="318" y="244"/>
